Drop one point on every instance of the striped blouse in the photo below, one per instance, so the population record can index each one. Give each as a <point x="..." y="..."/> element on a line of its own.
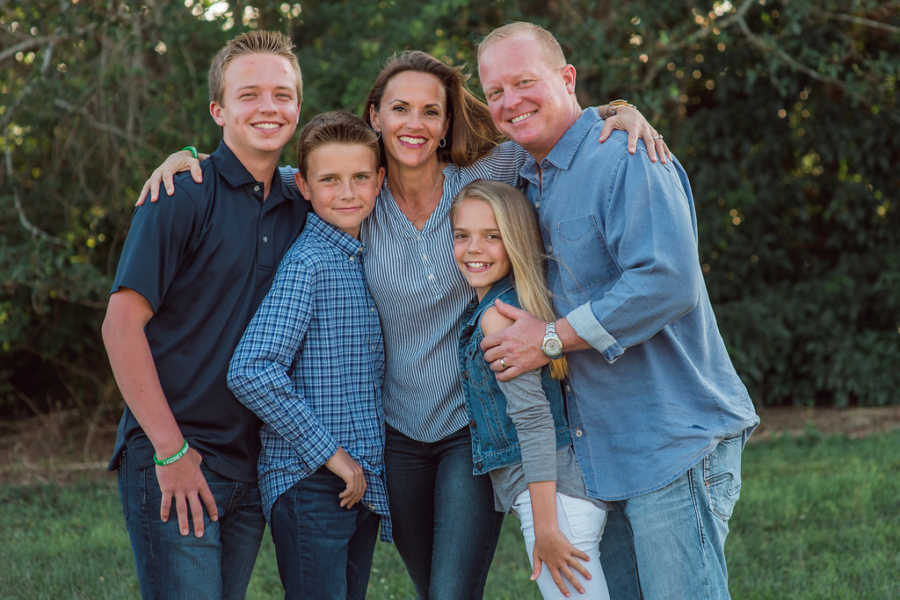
<point x="421" y="295"/>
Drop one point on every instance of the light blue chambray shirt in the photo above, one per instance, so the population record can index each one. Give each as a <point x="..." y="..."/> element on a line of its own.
<point x="658" y="391"/>
<point x="311" y="365"/>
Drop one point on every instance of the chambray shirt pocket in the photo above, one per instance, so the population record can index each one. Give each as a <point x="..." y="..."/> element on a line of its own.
<point x="580" y="258"/>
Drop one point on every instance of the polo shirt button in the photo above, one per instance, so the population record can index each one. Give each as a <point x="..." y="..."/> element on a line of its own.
<point x="578" y="433"/>
<point x="265" y="239"/>
<point x="549" y="249"/>
<point x="256" y="188"/>
<point x="431" y="276"/>
<point x="351" y="259"/>
<point x="568" y="388"/>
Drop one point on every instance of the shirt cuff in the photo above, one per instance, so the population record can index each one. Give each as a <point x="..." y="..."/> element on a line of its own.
<point x="315" y="453"/>
<point x="589" y="329"/>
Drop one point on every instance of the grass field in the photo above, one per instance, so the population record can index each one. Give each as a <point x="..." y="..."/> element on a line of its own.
<point x="819" y="518"/>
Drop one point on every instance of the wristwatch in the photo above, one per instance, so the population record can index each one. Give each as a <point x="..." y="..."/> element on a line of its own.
<point x="552" y="346"/>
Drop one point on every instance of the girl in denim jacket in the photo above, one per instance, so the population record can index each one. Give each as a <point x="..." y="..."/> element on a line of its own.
<point x="519" y="430"/>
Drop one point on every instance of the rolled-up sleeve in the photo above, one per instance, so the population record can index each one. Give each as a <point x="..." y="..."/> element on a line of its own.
<point x="651" y="236"/>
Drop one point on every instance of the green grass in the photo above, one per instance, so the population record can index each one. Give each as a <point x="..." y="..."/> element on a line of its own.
<point x="818" y="518"/>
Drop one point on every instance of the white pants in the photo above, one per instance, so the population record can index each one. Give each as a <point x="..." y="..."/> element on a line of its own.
<point x="582" y="523"/>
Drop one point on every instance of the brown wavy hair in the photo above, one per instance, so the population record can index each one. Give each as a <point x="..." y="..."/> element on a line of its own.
<point x="335" y="127"/>
<point x="472" y="134"/>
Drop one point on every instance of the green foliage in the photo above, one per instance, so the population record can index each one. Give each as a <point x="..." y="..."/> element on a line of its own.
<point x="781" y="111"/>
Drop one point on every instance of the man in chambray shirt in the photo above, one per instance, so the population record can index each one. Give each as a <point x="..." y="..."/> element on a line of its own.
<point x="658" y="414"/>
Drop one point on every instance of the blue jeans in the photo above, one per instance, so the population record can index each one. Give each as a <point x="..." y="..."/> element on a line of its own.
<point x="445" y="525"/>
<point x="670" y="543"/>
<point x="175" y="566"/>
<point x="323" y="551"/>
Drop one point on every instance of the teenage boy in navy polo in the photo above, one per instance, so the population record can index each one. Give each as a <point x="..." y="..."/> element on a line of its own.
<point x="191" y="275"/>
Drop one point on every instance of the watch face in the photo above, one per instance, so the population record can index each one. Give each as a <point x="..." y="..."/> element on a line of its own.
<point x="553" y="347"/>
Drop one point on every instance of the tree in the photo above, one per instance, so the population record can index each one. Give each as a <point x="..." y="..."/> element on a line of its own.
<point x="780" y="111"/>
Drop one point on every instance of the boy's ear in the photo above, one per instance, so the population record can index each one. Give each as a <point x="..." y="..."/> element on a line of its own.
<point x="215" y="110"/>
<point x="301" y="184"/>
<point x="380" y="176"/>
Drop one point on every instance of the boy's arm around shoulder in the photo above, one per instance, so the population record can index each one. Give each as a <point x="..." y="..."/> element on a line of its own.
<point x="135" y="372"/>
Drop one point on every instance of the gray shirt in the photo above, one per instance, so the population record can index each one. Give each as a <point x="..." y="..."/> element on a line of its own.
<point x="529" y="410"/>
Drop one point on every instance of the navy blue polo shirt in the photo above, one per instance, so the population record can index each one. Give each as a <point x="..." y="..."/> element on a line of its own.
<point x="204" y="259"/>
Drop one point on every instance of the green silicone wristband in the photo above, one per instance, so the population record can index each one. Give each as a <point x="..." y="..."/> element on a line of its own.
<point x="168" y="461"/>
<point x="192" y="150"/>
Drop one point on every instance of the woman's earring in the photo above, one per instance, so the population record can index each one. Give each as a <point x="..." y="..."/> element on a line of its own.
<point x="442" y="143"/>
<point x="378" y="134"/>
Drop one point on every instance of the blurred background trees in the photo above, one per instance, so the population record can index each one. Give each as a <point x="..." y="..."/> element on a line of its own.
<point x="784" y="113"/>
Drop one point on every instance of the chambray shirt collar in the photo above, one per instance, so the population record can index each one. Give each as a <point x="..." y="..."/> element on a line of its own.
<point x="563" y="153"/>
<point x="475" y="309"/>
<point x="233" y="171"/>
<point x="334" y="237"/>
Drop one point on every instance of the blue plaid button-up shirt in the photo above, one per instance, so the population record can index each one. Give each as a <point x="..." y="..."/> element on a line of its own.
<point x="311" y="365"/>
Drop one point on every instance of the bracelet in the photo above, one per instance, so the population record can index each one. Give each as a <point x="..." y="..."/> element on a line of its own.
<point x="193" y="150"/>
<point x="168" y="461"/>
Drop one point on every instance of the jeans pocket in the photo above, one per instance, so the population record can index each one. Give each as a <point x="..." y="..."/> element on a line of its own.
<point x="722" y="477"/>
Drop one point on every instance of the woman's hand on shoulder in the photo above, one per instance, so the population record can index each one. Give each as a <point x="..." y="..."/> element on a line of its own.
<point x="629" y="119"/>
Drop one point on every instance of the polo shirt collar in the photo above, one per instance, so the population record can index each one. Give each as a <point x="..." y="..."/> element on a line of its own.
<point x="341" y="240"/>
<point x="236" y="174"/>
<point x="563" y="152"/>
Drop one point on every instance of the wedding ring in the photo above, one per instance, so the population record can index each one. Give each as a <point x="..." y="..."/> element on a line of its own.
<point x="503" y="364"/>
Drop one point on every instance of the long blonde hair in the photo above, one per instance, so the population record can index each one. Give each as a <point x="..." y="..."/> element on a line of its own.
<point x="521" y="237"/>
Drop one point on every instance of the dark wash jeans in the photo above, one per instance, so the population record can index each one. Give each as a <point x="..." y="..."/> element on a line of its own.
<point x="444" y="522"/>
<point x="323" y="551"/>
<point x="175" y="567"/>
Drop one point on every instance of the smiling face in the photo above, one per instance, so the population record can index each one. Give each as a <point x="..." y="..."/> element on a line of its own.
<point x="259" y="109"/>
<point x="530" y="100"/>
<point x="341" y="183"/>
<point x="412" y="118"/>
<point x="477" y="245"/>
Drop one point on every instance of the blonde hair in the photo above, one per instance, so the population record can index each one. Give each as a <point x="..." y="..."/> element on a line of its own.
<point x="551" y="49"/>
<point x="471" y="134"/>
<point x="521" y="237"/>
<point x="252" y="42"/>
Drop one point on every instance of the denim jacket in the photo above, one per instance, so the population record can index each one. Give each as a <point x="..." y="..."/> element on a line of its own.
<point x="494" y="440"/>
